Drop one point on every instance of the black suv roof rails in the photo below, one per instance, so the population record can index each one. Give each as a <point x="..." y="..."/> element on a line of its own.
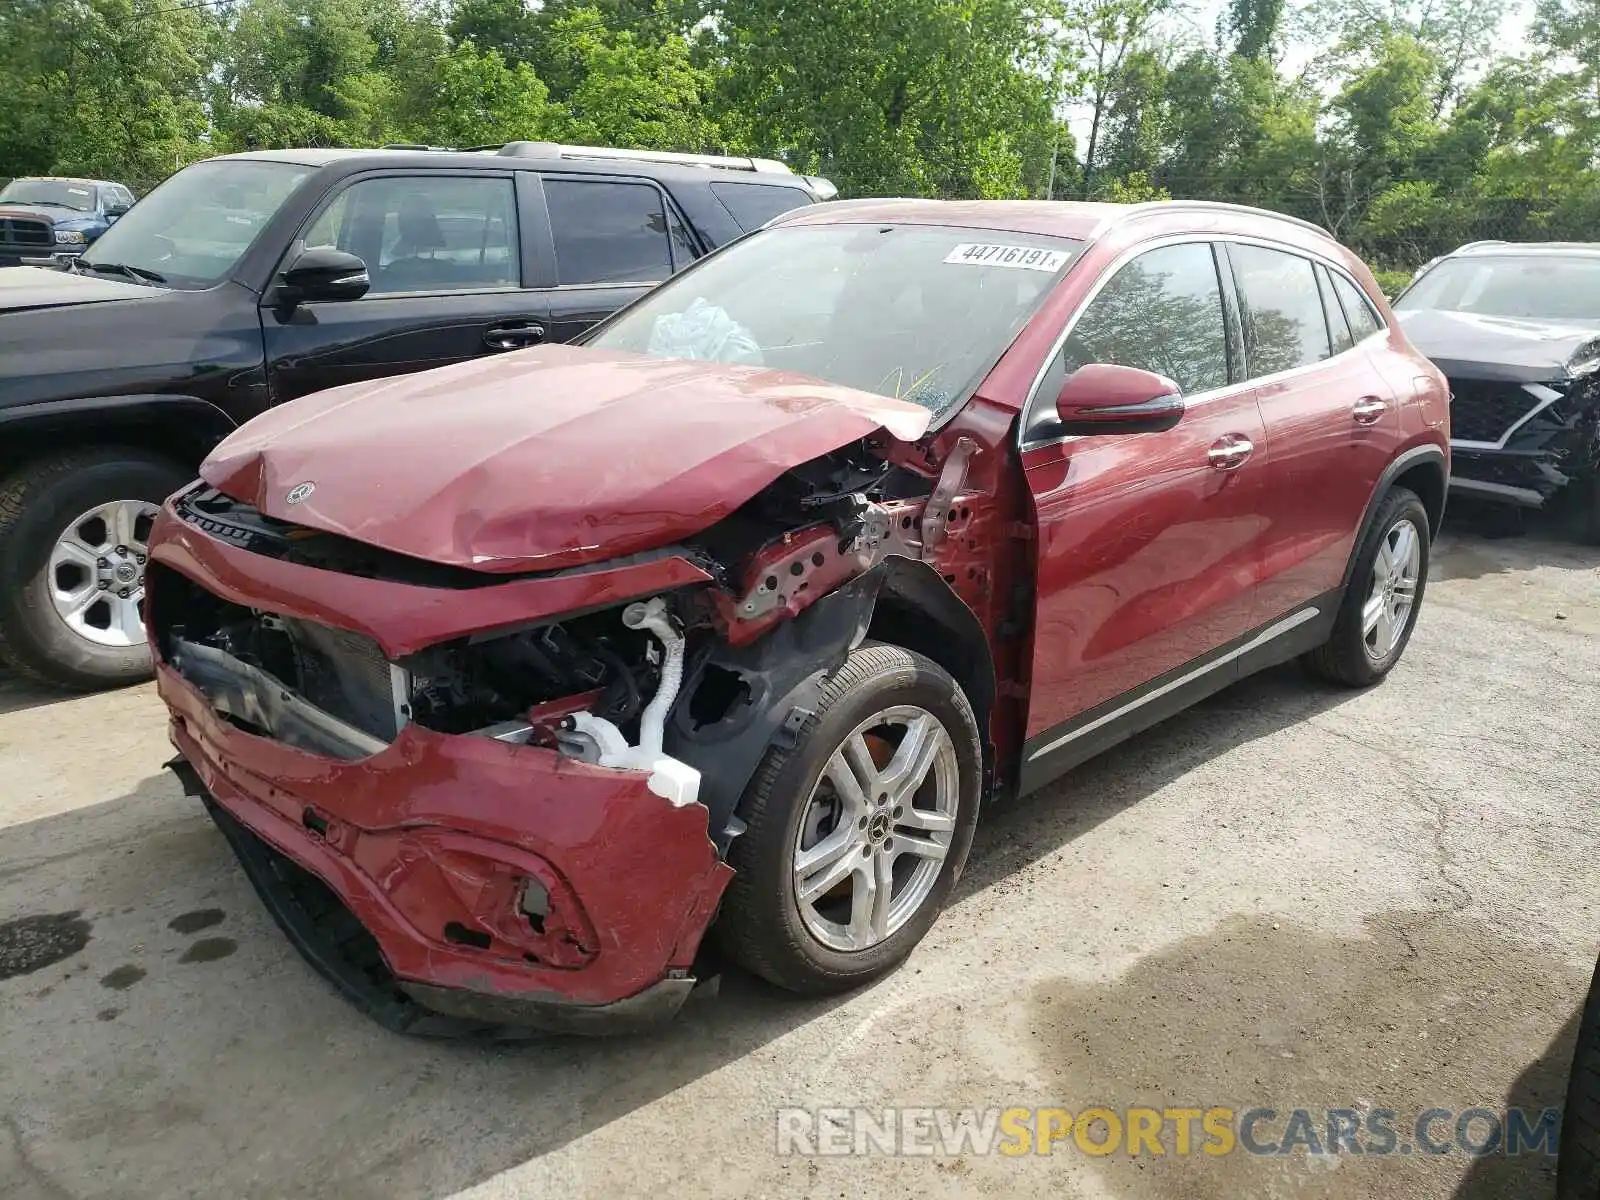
<point x="822" y="188"/>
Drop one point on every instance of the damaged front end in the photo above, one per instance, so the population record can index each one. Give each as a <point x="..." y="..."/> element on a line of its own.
<point x="478" y="801"/>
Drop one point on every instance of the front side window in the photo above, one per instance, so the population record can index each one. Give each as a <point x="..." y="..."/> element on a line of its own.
<point x="49" y="193"/>
<point x="1548" y="287"/>
<point x="193" y="229"/>
<point x="1162" y="312"/>
<point x="915" y="312"/>
<point x="608" y="232"/>
<point x="1284" y="325"/>
<point x="436" y="233"/>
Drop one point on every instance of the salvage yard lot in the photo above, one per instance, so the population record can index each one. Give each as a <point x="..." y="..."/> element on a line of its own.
<point x="1290" y="896"/>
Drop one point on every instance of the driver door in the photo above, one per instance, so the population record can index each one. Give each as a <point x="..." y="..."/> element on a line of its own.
<point x="1149" y="544"/>
<point x="445" y="255"/>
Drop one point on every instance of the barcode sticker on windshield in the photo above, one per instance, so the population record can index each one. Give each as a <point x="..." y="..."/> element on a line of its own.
<point x="1029" y="258"/>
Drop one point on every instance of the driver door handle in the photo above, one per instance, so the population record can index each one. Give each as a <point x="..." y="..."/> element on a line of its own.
<point x="1229" y="451"/>
<point x="1368" y="409"/>
<point x="513" y="337"/>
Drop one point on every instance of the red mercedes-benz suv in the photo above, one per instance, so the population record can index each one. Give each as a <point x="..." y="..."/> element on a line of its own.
<point x="509" y="681"/>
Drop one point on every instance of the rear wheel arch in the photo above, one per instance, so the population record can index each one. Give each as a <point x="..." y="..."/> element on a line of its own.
<point x="1421" y="470"/>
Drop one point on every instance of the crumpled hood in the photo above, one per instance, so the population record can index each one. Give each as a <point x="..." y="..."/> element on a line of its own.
<point x="44" y="287"/>
<point x="545" y="458"/>
<point x="1498" y="348"/>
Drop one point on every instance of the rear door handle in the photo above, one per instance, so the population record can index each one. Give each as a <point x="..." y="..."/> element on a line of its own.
<point x="513" y="337"/>
<point x="1229" y="452"/>
<point x="1368" y="409"/>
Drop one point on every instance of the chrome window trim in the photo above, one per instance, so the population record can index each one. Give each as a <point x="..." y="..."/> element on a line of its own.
<point x="1024" y="443"/>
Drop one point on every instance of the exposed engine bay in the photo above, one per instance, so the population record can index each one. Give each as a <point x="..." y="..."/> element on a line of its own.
<point x="596" y="685"/>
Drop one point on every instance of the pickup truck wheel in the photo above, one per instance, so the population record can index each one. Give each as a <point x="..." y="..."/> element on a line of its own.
<point x="73" y="537"/>
<point x="1380" y="605"/>
<point x="1578" y="1167"/>
<point x="856" y="833"/>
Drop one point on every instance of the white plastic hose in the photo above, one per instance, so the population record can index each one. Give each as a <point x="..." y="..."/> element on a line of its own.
<point x="676" y="782"/>
<point x="652" y="616"/>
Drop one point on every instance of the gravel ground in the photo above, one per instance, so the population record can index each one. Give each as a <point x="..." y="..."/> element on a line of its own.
<point x="1288" y="897"/>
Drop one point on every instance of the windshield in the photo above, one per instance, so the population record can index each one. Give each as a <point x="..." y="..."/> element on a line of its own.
<point x="915" y="312"/>
<point x="197" y="225"/>
<point x="1533" y="286"/>
<point x="58" y="193"/>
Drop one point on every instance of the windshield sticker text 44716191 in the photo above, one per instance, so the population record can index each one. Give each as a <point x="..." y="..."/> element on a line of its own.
<point x="1030" y="258"/>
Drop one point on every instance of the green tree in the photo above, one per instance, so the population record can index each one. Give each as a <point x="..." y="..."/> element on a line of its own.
<point x="625" y="90"/>
<point x="102" y="87"/>
<point x="913" y="97"/>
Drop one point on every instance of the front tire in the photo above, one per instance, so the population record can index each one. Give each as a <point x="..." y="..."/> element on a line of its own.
<point x="855" y="834"/>
<point x="1578" y="1168"/>
<point x="73" y="539"/>
<point x="1381" y="603"/>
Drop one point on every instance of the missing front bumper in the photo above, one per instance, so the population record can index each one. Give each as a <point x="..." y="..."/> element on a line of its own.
<point x="247" y="694"/>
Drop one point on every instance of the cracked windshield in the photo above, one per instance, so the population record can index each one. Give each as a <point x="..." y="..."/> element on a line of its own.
<point x="912" y="312"/>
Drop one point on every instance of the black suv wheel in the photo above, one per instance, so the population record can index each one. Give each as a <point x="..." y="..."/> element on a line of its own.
<point x="73" y="535"/>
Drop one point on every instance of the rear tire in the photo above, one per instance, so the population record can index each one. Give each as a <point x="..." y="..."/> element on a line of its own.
<point x="39" y="506"/>
<point x="1578" y="1168"/>
<point x="1359" y="653"/>
<point x="913" y="825"/>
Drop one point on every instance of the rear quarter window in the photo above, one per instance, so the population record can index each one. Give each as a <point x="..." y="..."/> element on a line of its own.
<point x="752" y="205"/>
<point x="1284" y="324"/>
<point x="1357" y="308"/>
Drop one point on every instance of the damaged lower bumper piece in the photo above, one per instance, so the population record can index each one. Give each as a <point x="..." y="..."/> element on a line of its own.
<point x="402" y="878"/>
<point x="447" y="884"/>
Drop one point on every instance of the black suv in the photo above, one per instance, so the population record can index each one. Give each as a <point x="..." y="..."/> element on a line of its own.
<point x="1516" y="328"/>
<point x="247" y="280"/>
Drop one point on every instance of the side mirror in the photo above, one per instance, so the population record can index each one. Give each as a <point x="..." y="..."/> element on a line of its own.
<point x="115" y="209"/>
<point x="324" y="273"/>
<point x="1106" y="398"/>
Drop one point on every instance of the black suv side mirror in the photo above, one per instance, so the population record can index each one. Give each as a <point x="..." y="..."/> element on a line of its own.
<point x="324" y="273"/>
<point x="115" y="208"/>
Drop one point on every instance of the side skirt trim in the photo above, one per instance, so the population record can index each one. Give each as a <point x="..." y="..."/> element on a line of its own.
<point x="1057" y="750"/>
<point x="1278" y="629"/>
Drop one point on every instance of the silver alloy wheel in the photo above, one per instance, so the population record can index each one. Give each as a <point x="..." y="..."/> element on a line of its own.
<point x="96" y="572"/>
<point x="876" y="828"/>
<point x="1393" y="592"/>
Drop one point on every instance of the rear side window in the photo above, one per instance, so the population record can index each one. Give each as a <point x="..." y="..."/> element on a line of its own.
<point x="752" y="205"/>
<point x="1338" y="327"/>
<point x="1161" y="312"/>
<point x="1284" y="326"/>
<point x="608" y="232"/>
<point x="1357" y="308"/>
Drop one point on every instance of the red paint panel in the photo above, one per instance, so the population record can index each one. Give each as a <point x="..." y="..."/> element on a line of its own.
<point x="1322" y="467"/>
<point x="1147" y="554"/>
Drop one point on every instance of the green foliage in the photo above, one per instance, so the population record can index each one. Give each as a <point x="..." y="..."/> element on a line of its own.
<point x="897" y="97"/>
<point x="1392" y="283"/>
<point x="1409" y="133"/>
